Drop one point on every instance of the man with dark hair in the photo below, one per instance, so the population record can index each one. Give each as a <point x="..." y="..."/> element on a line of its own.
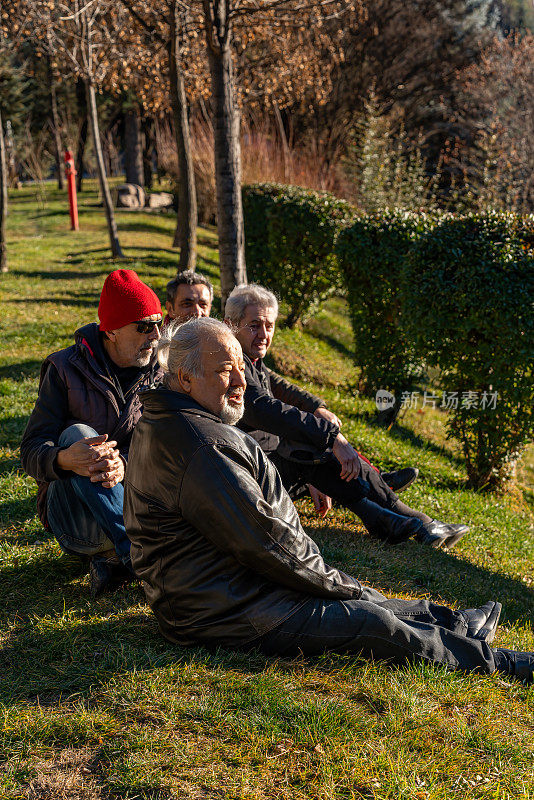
<point x="303" y="439"/>
<point x="189" y="294"/>
<point x="222" y="554"/>
<point x="76" y="441"/>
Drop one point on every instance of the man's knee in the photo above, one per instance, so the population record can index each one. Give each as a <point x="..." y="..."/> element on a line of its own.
<point x="74" y="528"/>
<point x="74" y="433"/>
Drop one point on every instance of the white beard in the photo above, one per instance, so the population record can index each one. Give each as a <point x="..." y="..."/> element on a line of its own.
<point x="231" y="414"/>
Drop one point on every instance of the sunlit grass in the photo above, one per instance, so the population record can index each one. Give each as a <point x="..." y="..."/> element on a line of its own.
<point x="98" y="705"/>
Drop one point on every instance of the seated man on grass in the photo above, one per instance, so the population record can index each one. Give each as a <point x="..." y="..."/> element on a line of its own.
<point x="303" y="439"/>
<point x="219" y="547"/>
<point x="189" y="295"/>
<point x="76" y="441"/>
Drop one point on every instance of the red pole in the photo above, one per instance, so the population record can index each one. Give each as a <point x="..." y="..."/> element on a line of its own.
<point x="71" y="181"/>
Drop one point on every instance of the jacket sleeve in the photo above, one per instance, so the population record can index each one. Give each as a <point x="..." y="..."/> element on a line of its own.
<point x="266" y="413"/>
<point x="221" y="497"/>
<point x="293" y="395"/>
<point x="39" y="448"/>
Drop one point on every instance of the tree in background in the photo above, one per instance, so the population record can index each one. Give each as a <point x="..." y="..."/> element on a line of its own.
<point x="3" y="198"/>
<point x="166" y="26"/>
<point x="497" y="93"/>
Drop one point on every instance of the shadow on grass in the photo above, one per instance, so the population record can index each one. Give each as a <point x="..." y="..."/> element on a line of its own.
<point x="12" y="511"/>
<point x="404" y="434"/>
<point x="21" y="370"/>
<point x="146" y="227"/>
<point x="11" y="431"/>
<point x="50" y="212"/>
<point x="83" y="299"/>
<point x="205" y="241"/>
<point x="9" y="464"/>
<point x="413" y="569"/>
<point x="60" y="274"/>
<point x="332" y="342"/>
<point x="71" y="651"/>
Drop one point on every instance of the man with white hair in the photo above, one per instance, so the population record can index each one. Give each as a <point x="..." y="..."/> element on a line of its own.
<point x="221" y="552"/>
<point x="303" y="438"/>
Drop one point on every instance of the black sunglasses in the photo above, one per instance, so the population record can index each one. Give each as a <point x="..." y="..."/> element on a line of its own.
<point x="147" y="327"/>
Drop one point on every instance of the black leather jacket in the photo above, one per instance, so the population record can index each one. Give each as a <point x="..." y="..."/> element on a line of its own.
<point x="215" y="537"/>
<point x="277" y="411"/>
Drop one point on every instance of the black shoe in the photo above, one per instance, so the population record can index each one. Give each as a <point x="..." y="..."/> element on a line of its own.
<point x="101" y="575"/>
<point x="385" y="524"/>
<point x="516" y="664"/>
<point x="439" y="534"/>
<point x="400" y="479"/>
<point x="107" y="574"/>
<point x="483" y="621"/>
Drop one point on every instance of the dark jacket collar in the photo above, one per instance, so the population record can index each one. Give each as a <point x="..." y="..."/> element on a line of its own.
<point x="89" y="344"/>
<point x="88" y="339"/>
<point x="162" y="399"/>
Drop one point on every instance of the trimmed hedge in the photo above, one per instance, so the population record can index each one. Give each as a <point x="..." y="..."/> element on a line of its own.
<point x="468" y="299"/>
<point x="290" y="234"/>
<point x="371" y="255"/>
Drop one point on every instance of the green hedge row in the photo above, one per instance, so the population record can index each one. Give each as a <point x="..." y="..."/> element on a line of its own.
<point x="468" y="301"/>
<point x="290" y="236"/>
<point x="456" y="293"/>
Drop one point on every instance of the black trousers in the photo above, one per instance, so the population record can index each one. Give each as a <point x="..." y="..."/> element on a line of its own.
<point x="325" y="476"/>
<point x="394" y="630"/>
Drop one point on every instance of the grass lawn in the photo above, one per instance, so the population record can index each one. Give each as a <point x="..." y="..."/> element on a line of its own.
<point x="95" y="704"/>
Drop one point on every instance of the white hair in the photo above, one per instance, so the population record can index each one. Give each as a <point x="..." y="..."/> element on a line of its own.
<point x="180" y="346"/>
<point x="246" y="295"/>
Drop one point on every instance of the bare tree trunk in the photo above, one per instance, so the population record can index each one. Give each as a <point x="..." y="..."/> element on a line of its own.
<point x="80" y="152"/>
<point x="185" y="236"/>
<point x="58" y="154"/>
<point x="116" y="251"/>
<point x="133" y="152"/>
<point x="3" y="199"/>
<point x="81" y="100"/>
<point x="230" y="225"/>
<point x="148" y="151"/>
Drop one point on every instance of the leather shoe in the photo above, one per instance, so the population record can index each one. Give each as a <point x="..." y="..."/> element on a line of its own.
<point x="482" y="622"/>
<point x="385" y="524"/>
<point x="400" y="479"/>
<point x="101" y="575"/>
<point x="107" y="574"/>
<point x="440" y="534"/>
<point x="516" y="664"/>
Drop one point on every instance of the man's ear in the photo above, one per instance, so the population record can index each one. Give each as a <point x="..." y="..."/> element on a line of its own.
<point x="170" y="309"/>
<point x="184" y="381"/>
<point x="111" y="335"/>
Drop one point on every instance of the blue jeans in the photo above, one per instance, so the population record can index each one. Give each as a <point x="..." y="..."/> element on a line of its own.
<point x="86" y="518"/>
<point x="392" y="630"/>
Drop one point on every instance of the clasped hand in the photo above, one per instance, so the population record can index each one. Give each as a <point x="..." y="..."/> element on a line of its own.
<point x="94" y="458"/>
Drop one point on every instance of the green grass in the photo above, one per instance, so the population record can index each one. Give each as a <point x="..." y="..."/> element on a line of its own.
<point x="95" y="704"/>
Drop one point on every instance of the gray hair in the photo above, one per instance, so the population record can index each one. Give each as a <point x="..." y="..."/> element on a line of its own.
<point x="246" y="295"/>
<point x="180" y="346"/>
<point x="187" y="278"/>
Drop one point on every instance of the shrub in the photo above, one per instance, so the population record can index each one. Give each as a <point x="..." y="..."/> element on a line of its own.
<point x="371" y="255"/>
<point x="468" y="298"/>
<point x="290" y="234"/>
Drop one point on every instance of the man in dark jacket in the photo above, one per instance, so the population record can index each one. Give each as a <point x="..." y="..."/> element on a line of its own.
<point x="219" y="547"/>
<point x="303" y="438"/>
<point x="76" y="441"/>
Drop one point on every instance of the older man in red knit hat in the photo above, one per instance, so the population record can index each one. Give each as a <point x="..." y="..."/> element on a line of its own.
<point x="77" y="438"/>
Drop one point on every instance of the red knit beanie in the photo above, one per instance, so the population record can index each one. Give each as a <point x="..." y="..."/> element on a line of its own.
<point x="125" y="299"/>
